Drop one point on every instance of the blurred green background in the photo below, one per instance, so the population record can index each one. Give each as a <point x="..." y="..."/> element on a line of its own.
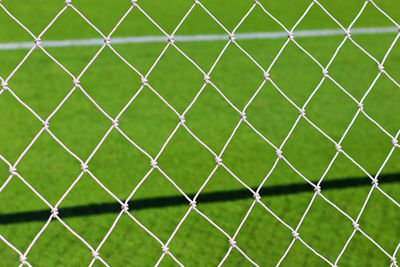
<point x="42" y="84"/>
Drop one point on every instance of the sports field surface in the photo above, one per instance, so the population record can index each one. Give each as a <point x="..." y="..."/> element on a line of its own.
<point x="351" y="222"/>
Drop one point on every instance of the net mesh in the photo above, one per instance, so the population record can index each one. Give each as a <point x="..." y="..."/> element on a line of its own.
<point x="353" y="222"/>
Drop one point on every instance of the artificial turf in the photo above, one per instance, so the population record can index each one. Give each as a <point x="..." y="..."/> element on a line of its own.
<point x="148" y="121"/>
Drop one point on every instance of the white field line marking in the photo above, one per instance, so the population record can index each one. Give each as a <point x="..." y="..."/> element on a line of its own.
<point x="195" y="38"/>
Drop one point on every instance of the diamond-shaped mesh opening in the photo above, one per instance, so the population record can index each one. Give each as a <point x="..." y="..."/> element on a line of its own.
<point x="243" y="84"/>
<point x="214" y="132"/>
<point x="344" y="183"/>
<point x="41" y="175"/>
<point x="104" y="91"/>
<point x="307" y="257"/>
<point x="372" y="17"/>
<point x="378" y="144"/>
<point x="192" y="167"/>
<point x="176" y="71"/>
<point x="343" y="15"/>
<point x="216" y="243"/>
<point x="239" y="201"/>
<point x="47" y="9"/>
<point x="160" y="210"/>
<point x="253" y="165"/>
<point x="381" y="213"/>
<point x="321" y="146"/>
<point x="360" y="244"/>
<point x="390" y="176"/>
<point x="353" y="70"/>
<point x="285" y="185"/>
<point x="271" y="114"/>
<point x="390" y="63"/>
<point x="255" y="239"/>
<point x="40" y="83"/>
<point x="141" y="250"/>
<point x="20" y="224"/>
<point x="19" y="127"/>
<point x="77" y="209"/>
<point x="84" y="130"/>
<point x="332" y="230"/>
<point x="191" y="26"/>
<point x="141" y="120"/>
<point x="327" y="45"/>
<point x="119" y="167"/>
<point x="111" y="13"/>
<point x="293" y="66"/>
<point x="199" y="133"/>
<point x="331" y="109"/>
<point x="378" y="98"/>
<point x="57" y="240"/>
<point x="169" y="16"/>
<point x="61" y="29"/>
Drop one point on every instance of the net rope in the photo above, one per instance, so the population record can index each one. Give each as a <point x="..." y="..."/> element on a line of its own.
<point x="242" y="119"/>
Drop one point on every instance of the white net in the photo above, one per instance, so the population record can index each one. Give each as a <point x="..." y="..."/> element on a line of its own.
<point x="173" y="43"/>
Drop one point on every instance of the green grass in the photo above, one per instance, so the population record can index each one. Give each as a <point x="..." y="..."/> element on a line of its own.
<point x="149" y="122"/>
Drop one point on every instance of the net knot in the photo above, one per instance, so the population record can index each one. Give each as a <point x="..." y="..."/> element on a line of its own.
<point x="196" y="2"/>
<point x="374" y="182"/>
<point x="133" y="2"/>
<point x="45" y="125"/>
<point x="12" y="170"/>
<point x="95" y="254"/>
<point x="279" y="153"/>
<point x="231" y="37"/>
<point x="395" y="142"/>
<point x="76" y="82"/>
<point x="84" y="167"/>
<point x="295" y="235"/>
<point x="291" y="36"/>
<point x="360" y="106"/>
<point x="107" y="41"/>
<point x="317" y="189"/>
<point x="325" y="73"/>
<point x="22" y="259"/>
<point x="193" y="204"/>
<point x="38" y="42"/>
<point x="54" y="212"/>
<point x="243" y="115"/>
<point x="153" y="163"/>
<point x="218" y="160"/>
<point x="381" y="68"/>
<point x="4" y="85"/>
<point x="232" y="242"/>
<point x="171" y="39"/>
<point x="338" y="148"/>
<point x="266" y="76"/>
<point x="144" y="81"/>
<point x="164" y="249"/>
<point x="302" y="112"/>
<point x="347" y="33"/>
<point x="356" y="226"/>
<point x="125" y="207"/>
<point x="182" y="119"/>
<point x="207" y="78"/>
<point x="68" y="2"/>
<point x="257" y="2"/>
<point x="115" y="123"/>
<point x="393" y="260"/>
<point x="257" y="197"/>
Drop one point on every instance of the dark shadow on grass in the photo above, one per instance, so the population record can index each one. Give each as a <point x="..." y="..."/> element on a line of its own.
<point x="206" y="197"/>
